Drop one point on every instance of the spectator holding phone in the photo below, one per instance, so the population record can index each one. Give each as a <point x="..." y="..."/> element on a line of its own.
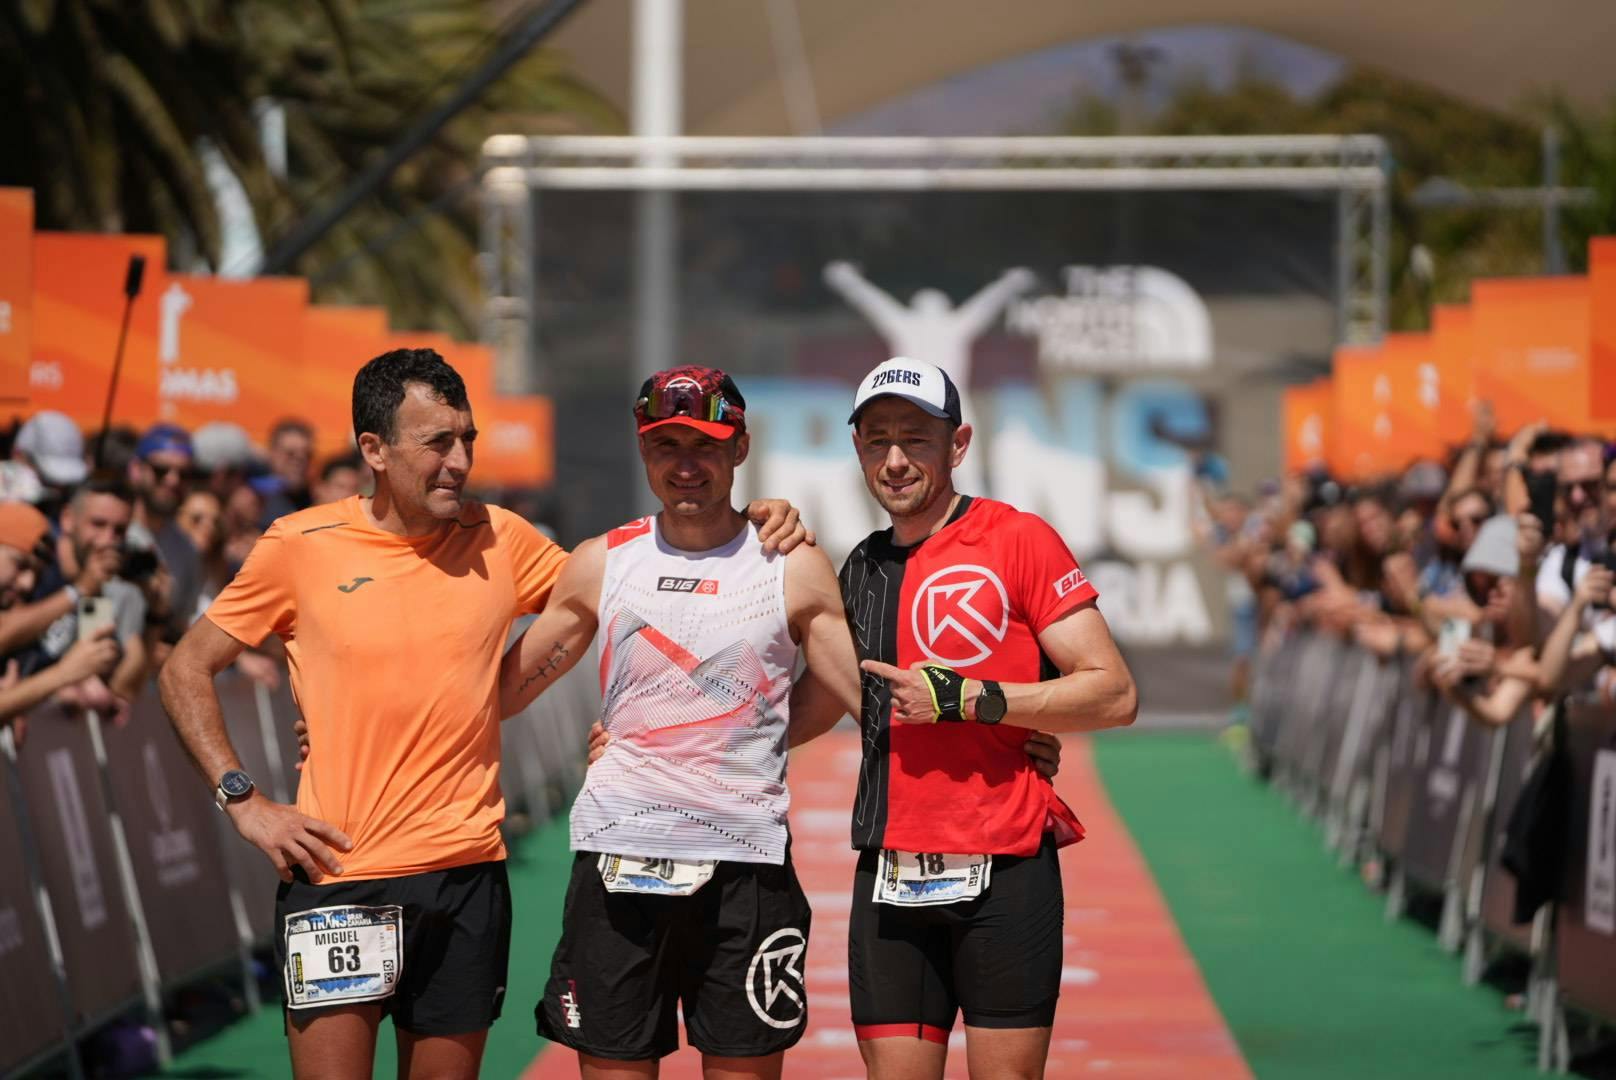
<point x="24" y="546"/>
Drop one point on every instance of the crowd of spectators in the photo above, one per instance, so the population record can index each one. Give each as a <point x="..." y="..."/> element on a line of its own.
<point x="1491" y="570"/>
<point x="111" y="547"/>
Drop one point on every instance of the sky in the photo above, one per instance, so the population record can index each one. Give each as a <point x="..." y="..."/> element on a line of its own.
<point x="1027" y="95"/>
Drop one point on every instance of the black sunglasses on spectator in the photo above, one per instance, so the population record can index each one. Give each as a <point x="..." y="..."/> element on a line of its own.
<point x="1590" y="488"/>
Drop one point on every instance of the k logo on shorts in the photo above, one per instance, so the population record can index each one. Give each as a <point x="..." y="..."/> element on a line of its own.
<point x="960" y="614"/>
<point x="774" y="980"/>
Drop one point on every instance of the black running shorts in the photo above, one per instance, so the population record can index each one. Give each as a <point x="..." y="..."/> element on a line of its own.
<point x="996" y="958"/>
<point x="732" y="953"/>
<point x="456" y="942"/>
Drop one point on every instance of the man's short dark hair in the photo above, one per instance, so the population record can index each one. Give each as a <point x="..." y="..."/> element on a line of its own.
<point x="378" y="389"/>
<point x="103" y="484"/>
<point x="290" y="425"/>
<point x="334" y="465"/>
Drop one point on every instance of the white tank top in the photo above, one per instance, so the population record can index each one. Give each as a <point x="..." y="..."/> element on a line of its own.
<point x="695" y="669"/>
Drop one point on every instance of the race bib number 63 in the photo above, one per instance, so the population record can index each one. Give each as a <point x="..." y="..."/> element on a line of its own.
<point x="342" y="955"/>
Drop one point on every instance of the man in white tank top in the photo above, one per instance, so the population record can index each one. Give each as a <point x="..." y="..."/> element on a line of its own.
<point x="682" y="888"/>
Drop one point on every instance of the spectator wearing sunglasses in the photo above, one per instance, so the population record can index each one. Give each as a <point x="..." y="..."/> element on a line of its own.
<point x="1580" y="534"/>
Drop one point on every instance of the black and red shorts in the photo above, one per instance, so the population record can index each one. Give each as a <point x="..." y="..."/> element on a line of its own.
<point x="996" y="959"/>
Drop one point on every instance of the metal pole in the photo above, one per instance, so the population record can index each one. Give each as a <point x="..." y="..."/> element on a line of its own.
<point x="145" y="955"/>
<point x="658" y="114"/>
<point x="306" y="234"/>
<point x="1554" y="260"/>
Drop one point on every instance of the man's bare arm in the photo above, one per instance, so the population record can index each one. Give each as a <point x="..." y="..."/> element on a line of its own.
<point x="558" y="638"/>
<point x="829" y="687"/>
<point x="185" y="684"/>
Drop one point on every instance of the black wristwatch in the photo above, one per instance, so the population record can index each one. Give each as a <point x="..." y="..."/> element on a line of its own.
<point x="947" y="692"/>
<point x="234" y="786"/>
<point x="990" y="703"/>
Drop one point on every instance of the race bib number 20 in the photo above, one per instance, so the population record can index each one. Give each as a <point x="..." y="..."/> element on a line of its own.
<point x="920" y="879"/>
<point x="341" y="955"/>
<point x="658" y="877"/>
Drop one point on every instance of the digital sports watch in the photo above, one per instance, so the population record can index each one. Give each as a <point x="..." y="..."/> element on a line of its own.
<point x="990" y="703"/>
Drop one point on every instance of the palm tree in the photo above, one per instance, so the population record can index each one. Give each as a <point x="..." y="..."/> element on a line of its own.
<point x="109" y="109"/>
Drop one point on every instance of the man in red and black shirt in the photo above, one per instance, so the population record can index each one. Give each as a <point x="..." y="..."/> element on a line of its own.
<point x="973" y="624"/>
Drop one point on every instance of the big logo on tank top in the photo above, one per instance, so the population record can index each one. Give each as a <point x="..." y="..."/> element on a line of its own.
<point x="960" y="614"/>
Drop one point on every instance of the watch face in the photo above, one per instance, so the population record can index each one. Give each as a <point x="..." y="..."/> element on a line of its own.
<point x="990" y="706"/>
<point x="235" y="784"/>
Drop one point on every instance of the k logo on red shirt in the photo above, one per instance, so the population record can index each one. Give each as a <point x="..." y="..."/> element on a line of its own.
<point x="961" y="613"/>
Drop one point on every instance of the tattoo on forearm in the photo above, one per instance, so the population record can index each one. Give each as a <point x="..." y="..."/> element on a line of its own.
<point x="558" y="653"/>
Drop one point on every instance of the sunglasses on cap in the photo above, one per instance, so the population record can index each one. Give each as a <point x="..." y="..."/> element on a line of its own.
<point x="687" y="399"/>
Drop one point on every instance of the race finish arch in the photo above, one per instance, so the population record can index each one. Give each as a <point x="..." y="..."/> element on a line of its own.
<point x="1110" y="307"/>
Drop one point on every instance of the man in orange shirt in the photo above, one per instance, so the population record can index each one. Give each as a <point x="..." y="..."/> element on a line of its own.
<point x="395" y="610"/>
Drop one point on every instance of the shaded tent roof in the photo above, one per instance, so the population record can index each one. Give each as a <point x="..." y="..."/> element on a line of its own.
<point x="861" y="53"/>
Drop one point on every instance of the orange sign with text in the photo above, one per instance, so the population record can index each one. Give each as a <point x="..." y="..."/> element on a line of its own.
<point x="515" y="435"/>
<point x="1308" y="416"/>
<point x="1453" y="352"/>
<point x="337" y="342"/>
<point x="1531" y="339"/>
<point x="16" y="295"/>
<point x="78" y="306"/>
<point x="1415" y="393"/>
<point x="1361" y="430"/>
<point x="229" y="350"/>
<point x="1602" y="344"/>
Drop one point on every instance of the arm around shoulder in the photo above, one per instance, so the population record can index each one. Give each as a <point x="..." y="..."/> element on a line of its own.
<point x="559" y="636"/>
<point x="829" y="688"/>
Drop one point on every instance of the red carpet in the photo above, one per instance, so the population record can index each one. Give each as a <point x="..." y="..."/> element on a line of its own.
<point x="1132" y="1000"/>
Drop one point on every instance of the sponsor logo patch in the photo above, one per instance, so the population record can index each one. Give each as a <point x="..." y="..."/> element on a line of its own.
<point x="1070" y="583"/>
<point x="960" y="614"/>
<point x="698" y="586"/>
<point x="774" y="982"/>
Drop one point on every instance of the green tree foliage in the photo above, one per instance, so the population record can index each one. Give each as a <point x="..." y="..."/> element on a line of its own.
<point x="1430" y="135"/>
<point x="109" y="105"/>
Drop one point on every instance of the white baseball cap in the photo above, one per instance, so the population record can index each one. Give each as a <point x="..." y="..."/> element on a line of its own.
<point x="926" y="385"/>
<point x="55" y="446"/>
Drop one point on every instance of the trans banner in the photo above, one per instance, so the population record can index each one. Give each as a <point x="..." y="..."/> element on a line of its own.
<point x="1104" y="344"/>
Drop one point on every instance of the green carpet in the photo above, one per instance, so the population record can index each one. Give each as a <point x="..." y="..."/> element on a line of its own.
<point x="539" y="864"/>
<point x="1310" y="978"/>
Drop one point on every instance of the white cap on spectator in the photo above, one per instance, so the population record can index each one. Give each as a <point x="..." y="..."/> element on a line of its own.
<point x="54" y="444"/>
<point x="1493" y="551"/>
<point x="221" y="445"/>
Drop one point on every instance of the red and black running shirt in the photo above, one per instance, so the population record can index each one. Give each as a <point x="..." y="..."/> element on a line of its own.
<point x="974" y="596"/>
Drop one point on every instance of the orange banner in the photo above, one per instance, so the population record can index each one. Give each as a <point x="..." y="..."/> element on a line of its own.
<point x="1602" y="344"/>
<point x="1453" y="351"/>
<point x="1408" y="362"/>
<point x="1531" y="340"/>
<point x="1363" y="446"/>
<point x="78" y="304"/>
<point x="337" y="342"/>
<point x="229" y="350"/>
<point x="16" y="295"/>
<point x="1308" y="416"/>
<point x="515" y="440"/>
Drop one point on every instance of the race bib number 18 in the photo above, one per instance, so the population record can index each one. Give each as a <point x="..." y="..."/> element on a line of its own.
<point x="342" y="955"/>
<point x="661" y="877"/>
<point x="919" y="879"/>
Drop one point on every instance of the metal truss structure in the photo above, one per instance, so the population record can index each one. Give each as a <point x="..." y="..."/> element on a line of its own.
<point x="1356" y="167"/>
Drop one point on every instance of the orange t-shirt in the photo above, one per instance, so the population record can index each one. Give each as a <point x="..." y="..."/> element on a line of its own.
<point x="394" y="645"/>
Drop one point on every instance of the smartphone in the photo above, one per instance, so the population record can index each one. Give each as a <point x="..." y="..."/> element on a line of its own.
<point x="1540" y="488"/>
<point x="1454" y="632"/>
<point x="94" y="613"/>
